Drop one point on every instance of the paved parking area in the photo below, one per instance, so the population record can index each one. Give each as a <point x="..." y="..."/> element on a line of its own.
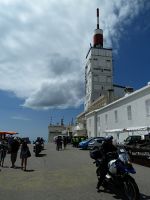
<point x="56" y="175"/>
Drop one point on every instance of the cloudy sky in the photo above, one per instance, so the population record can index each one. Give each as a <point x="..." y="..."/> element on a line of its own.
<point x="43" y="45"/>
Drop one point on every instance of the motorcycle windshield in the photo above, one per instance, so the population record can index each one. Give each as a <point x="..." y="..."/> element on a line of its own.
<point x="124" y="157"/>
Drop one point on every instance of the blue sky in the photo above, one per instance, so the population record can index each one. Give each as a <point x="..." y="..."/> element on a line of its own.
<point x="42" y="56"/>
<point x="131" y="64"/>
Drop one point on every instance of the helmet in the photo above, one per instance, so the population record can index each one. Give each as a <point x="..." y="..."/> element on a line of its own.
<point x="109" y="138"/>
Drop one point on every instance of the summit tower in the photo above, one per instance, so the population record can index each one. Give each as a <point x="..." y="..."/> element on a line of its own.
<point x="98" y="69"/>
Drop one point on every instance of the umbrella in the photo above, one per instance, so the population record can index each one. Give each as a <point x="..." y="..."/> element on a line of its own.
<point x="8" y="132"/>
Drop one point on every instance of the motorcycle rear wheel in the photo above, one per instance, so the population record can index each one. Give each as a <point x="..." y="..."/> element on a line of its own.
<point x="131" y="189"/>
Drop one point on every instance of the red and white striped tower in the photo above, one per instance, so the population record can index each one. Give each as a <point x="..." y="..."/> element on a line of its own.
<point x="98" y="34"/>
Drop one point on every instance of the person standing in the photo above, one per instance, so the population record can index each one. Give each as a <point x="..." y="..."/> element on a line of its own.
<point x="24" y="154"/>
<point x="10" y="141"/>
<point x="76" y="141"/>
<point x="14" y="151"/>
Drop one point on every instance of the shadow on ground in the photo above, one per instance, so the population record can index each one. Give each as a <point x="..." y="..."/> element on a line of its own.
<point x="42" y="155"/>
<point x="30" y="170"/>
<point x="118" y="193"/>
<point x="146" y="197"/>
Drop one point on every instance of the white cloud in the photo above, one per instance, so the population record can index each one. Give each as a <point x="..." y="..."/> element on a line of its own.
<point x="20" y="118"/>
<point x="43" y="45"/>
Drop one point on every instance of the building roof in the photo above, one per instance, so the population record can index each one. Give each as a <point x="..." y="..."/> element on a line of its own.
<point x="119" y="86"/>
<point x="121" y="99"/>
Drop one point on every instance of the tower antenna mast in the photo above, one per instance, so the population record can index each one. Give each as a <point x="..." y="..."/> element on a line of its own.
<point x="97" y="18"/>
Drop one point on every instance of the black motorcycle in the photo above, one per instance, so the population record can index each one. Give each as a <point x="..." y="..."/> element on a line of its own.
<point x="119" y="170"/>
<point x="37" y="148"/>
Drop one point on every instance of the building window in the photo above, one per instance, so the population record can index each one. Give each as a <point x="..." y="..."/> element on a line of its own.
<point x="95" y="68"/>
<point x="98" y="121"/>
<point x="106" y="118"/>
<point x="129" y="113"/>
<point x="107" y="70"/>
<point x="89" y="134"/>
<point x="147" y="106"/>
<point x="90" y="123"/>
<point x="116" y="116"/>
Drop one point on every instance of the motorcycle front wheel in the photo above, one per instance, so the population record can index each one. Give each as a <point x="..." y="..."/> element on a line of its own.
<point x="131" y="189"/>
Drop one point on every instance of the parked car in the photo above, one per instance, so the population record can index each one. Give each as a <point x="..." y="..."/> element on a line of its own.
<point x="132" y="139"/>
<point x="96" y="143"/>
<point x="84" y="143"/>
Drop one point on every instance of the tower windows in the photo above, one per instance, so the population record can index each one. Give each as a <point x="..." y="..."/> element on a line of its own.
<point x="108" y="70"/>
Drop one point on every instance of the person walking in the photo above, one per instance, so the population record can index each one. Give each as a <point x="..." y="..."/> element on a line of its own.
<point x="59" y="143"/>
<point x="24" y="155"/>
<point x="64" y="142"/>
<point x="3" y="151"/>
<point x="14" y="151"/>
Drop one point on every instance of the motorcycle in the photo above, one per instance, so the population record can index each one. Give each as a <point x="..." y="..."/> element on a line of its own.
<point x="119" y="170"/>
<point x="37" y="148"/>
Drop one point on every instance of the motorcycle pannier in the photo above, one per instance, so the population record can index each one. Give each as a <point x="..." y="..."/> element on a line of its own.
<point x="95" y="154"/>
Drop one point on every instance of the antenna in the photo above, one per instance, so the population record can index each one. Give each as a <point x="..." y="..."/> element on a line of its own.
<point x="98" y="34"/>
<point x="51" y="120"/>
<point x="62" y="121"/>
<point x="72" y="122"/>
<point x="97" y="18"/>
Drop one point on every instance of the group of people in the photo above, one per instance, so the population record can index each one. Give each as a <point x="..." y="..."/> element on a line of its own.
<point x="61" y="142"/>
<point x="12" y="146"/>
